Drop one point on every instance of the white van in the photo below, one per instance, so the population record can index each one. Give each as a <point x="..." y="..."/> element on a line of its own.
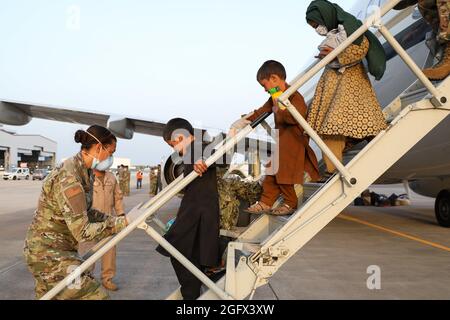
<point x="17" y="174"/>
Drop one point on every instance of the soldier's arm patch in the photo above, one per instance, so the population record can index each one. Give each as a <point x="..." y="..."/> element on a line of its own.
<point x="76" y="199"/>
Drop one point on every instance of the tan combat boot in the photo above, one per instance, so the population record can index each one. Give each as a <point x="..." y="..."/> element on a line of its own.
<point x="441" y="70"/>
<point x="109" y="285"/>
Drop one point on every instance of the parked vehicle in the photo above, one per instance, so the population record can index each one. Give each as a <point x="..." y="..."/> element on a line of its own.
<point x="17" y="174"/>
<point x="40" y="174"/>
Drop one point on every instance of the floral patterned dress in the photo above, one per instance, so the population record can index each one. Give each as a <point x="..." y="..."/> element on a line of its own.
<point x="345" y="104"/>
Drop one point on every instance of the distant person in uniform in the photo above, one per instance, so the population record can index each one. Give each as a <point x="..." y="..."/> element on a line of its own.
<point x="65" y="217"/>
<point x="107" y="198"/>
<point x="127" y="181"/>
<point x="158" y="180"/>
<point x="139" y="176"/>
<point x="122" y="180"/>
<point x="195" y="232"/>
<point x="437" y="14"/>
<point x="153" y="181"/>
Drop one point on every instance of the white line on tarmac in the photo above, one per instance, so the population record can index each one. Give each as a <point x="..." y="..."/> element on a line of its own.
<point x="7" y="269"/>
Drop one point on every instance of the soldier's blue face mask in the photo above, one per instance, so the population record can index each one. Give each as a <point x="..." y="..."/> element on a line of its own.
<point x="96" y="163"/>
<point x="102" y="165"/>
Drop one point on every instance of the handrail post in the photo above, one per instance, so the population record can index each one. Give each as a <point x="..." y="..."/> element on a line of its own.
<point x="438" y="99"/>
<point x="351" y="181"/>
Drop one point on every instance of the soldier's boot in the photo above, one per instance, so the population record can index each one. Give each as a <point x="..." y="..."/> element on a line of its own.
<point x="109" y="285"/>
<point x="441" y="70"/>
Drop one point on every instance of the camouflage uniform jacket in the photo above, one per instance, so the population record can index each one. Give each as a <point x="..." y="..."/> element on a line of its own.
<point x="64" y="218"/>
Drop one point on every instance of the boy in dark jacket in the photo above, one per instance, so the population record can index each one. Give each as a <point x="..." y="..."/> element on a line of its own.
<point x="195" y="232"/>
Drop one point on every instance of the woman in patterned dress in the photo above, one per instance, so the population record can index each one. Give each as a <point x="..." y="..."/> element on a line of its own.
<point x="345" y="107"/>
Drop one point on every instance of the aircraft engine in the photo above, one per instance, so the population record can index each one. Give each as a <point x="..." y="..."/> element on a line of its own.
<point x="11" y="115"/>
<point x="172" y="168"/>
<point x="122" y="128"/>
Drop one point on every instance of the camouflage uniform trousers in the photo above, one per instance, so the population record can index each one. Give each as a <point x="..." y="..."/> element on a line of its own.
<point x="437" y="14"/>
<point x="231" y="193"/>
<point x="127" y="183"/>
<point x="49" y="272"/>
<point x="124" y="187"/>
<point x="153" y="185"/>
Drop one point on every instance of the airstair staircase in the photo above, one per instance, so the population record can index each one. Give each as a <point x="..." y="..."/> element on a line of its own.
<point x="270" y="241"/>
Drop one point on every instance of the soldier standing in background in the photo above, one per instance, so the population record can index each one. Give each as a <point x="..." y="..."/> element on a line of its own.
<point x="107" y="198"/>
<point x="120" y="175"/>
<point x="437" y="14"/>
<point x="153" y="181"/>
<point x="127" y="181"/>
<point x="159" y="182"/>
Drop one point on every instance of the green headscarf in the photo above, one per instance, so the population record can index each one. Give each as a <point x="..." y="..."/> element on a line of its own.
<point x="331" y="15"/>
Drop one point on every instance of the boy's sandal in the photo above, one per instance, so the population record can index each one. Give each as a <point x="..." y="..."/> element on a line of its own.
<point x="282" y="210"/>
<point x="325" y="177"/>
<point x="214" y="270"/>
<point x="258" y="208"/>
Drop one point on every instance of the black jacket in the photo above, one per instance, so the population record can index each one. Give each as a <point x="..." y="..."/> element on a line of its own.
<point x="195" y="232"/>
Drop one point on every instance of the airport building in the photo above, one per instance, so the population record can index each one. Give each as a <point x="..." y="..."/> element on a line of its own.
<point x="25" y="150"/>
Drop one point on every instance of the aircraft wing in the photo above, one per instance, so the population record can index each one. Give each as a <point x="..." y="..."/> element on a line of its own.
<point x="17" y="113"/>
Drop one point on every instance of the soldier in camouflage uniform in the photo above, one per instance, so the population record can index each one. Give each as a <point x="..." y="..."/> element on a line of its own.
<point x="127" y="181"/>
<point x="158" y="180"/>
<point x="120" y="171"/>
<point x="124" y="180"/>
<point x="153" y="180"/>
<point x="437" y="14"/>
<point x="231" y="192"/>
<point x="64" y="218"/>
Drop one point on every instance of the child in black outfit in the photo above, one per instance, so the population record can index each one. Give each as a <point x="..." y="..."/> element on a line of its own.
<point x="195" y="232"/>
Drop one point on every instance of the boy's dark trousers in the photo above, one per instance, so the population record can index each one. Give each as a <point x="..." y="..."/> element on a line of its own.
<point x="190" y="285"/>
<point x="139" y="184"/>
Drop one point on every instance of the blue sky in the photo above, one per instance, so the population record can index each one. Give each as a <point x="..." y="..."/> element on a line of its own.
<point x="151" y="59"/>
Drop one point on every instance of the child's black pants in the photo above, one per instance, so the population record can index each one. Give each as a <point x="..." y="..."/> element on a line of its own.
<point x="190" y="285"/>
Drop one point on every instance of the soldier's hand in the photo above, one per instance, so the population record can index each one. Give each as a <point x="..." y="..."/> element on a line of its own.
<point x="135" y="213"/>
<point x="200" y="167"/>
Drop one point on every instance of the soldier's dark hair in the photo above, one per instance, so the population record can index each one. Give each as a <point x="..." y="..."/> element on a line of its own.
<point x="174" y="125"/>
<point x="87" y="140"/>
<point x="269" y="68"/>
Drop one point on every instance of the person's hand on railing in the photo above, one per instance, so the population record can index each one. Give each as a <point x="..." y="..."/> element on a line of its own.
<point x="238" y="125"/>
<point x="200" y="167"/>
<point x="324" y="51"/>
<point x="135" y="213"/>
